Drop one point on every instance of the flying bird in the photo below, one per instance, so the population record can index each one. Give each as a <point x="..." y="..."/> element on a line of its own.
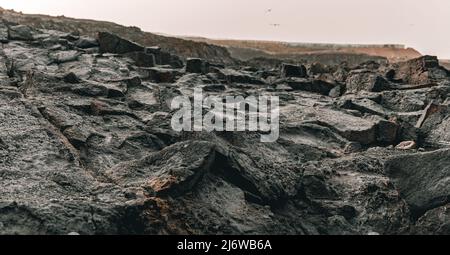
<point x="275" y="25"/>
<point x="268" y="10"/>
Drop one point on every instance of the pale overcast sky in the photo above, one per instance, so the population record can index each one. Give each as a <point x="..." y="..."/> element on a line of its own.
<point x="424" y="25"/>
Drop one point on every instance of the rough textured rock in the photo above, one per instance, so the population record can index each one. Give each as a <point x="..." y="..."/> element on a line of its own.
<point x="173" y="171"/>
<point x="3" y="33"/>
<point x="318" y="68"/>
<point x="110" y="43"/>
<point x="196" y="65"/>
<point x="234" y="76"/>
<point x="435" y="221"/>
<point x="86" y="145"/>
<point x="311" y="85"/>
<point x="422" y="179"/>
<point x="288" y="70"/>
<point x="142" y="59"/>
<point x="86" y="42"/>
<point x="365" y="80"/>
<point x="422" y="70"/>
<point x="174" y="46"/>
<point x="164" y="58"/>
<point x="20" y="32"/>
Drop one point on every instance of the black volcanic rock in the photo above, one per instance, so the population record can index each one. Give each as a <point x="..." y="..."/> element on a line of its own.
<point x="71" y="78"/>
<point x="311" y="85"/>
<point x="422" y="70"/>
<point x="423" y="179"/>
<point x="164" y="58"/>
<point x="142" y="59"/>
<point x="87" y="145"/>
<point x="86" y="42"/>
<point x="3" y="33"/>
<point x="196" y="65"/>
<point x="235" y="76"/>
<point x="110" y="43"/>
<point x="20" y="32"/>
<point x="288" y="70"/>
<point x="318" y="68"/>
<point x="365" y="80"/>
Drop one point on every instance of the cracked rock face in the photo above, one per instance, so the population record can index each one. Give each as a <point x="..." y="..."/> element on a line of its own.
<point x="86" y="144"/>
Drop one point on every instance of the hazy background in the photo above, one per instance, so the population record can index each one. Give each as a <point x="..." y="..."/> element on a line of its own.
<point x="424" y="25"/>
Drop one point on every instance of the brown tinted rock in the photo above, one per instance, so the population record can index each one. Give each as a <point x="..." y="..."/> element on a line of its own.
<point x="422" y="70"/>
<point x="364" y="80"/>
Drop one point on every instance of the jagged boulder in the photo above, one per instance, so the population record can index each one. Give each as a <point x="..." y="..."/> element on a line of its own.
<point x="64" y="56"/>
<point x="423" y="179"/>
<point x="86" y="42"/>
<point x="164" y="58"/>
<point x="371" y="130"/>
<point x="171" y="172"/>
<point x="111" y="43"/>
<point x="434" y="222"/>
<point x="365" y="80"/>
<point x="196" y="65"/>
<point x="422" y="70"/>
<point x="3" y="33"/>
<point x="160" y="74"/>
<point x="71" y="78"/>
<point x="312" y="85"/>
<point x="234" y="76"/>
<point x="387" y="132"/>
<point x="20" y="32"/>
<point x="318" y="68"/>
<point x="142" y="59"/>
<point x="435" y="125"/>
<point x="288" y="70"/>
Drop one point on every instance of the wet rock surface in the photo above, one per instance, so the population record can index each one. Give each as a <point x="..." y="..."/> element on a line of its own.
<point x="86" y="144"/>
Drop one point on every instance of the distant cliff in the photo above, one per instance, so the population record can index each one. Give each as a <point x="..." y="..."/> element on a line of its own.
<point x="247" y="49"/>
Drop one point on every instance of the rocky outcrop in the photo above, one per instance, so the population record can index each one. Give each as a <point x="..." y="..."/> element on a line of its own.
<point x="110" y="43"/>
<point x="86" y="145"/>
<point x="422" y="179"/>
<point x="143" y="57"/>
<point x="288" y="70"/>
<point x="175" y="46"/>
<point x="196" y="65"/>
<point x="20" y="32"/>
<point x="365" y="80"/>
<point x="312" y="85"/>
<point x="422" y="70"/>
